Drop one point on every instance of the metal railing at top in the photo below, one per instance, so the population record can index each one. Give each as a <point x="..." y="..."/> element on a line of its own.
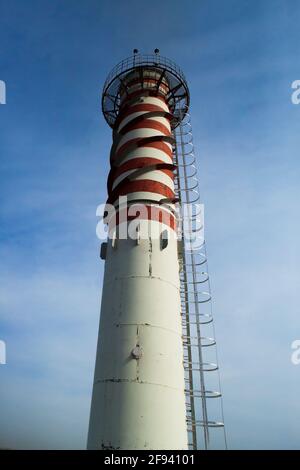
<point x="139" y="60"/>
<point x="178" y="97"/>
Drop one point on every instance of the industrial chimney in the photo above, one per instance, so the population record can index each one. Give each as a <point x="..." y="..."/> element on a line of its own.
<point x="143" y="393"/>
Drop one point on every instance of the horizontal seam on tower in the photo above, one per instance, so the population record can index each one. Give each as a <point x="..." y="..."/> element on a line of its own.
<point x="143" y="277"/>
<point x="152" y="326"/>
<point x="141" y="382"/>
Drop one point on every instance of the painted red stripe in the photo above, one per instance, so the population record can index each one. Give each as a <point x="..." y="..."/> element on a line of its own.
<point x="135" y="109"/>
<point x="153" y="213"/>
<point x="140" y="162"/>
<point x="163" y="90"/>
<point x="128" y="187"/>
<point x="136" y="164"/>
<point x="147" y="92"/>
<point x="152" y="115"/>
<point x="146" y="85"/>
<point x="147" y="124"/>
<point x="162" y="146"/>
<point x="155" y="145"/>
<point x="146" y="79"/>
<point x="143" y="92"/>
<point x="167" y="172"/>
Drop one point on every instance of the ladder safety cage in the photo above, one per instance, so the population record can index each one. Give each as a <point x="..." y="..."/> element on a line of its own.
<point x="204" y="407"/>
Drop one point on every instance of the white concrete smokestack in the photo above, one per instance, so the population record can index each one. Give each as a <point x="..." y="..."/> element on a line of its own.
<point x="139" y="391"/>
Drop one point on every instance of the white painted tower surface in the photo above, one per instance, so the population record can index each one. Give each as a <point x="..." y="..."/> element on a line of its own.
<point x="138" y="397"/>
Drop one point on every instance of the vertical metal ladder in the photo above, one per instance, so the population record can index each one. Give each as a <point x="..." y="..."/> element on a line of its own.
<point x="202" y="380"/>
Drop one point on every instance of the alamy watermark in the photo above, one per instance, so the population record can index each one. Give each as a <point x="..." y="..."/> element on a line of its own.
<point x="2" y="92"/>
<point x="295" y="356"/>
<point x="131" y="220"/>
<point x="295" y="97"/>
<point x="2" y="343"/>
<point x="2" y="352"/>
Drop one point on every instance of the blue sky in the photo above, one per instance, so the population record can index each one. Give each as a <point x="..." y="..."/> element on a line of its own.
<point x="240" y="58"/>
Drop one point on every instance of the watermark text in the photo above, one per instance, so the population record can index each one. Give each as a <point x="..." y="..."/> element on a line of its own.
<point x="131" y="220"/>
<point x="2" y="352"/>
<point x="295" y="357"/>
<point x="296" y="94"/>
<point x="2" y="92"/>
